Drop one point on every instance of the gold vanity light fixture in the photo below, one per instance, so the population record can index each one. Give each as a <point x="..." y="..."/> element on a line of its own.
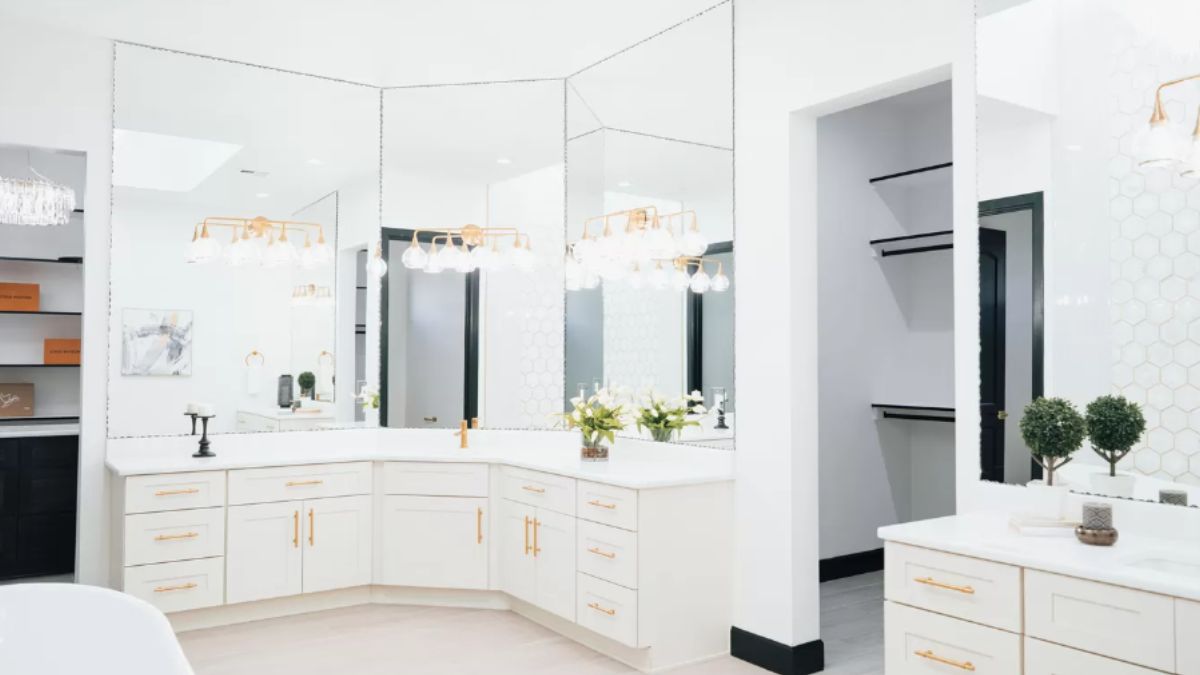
<point x="377" y="266"/>
<point x="259" y="241"/>
<point x="311" y="295"/>
<point x="469" y="248"/>
<point x="1160" y="146"/>
<point x="642" y="247"/>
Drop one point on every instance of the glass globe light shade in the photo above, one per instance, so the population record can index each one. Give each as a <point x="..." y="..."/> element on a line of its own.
<point x="522" y="258"/>
<point x="322" y="254"/>
<point x="613" y="270"/>
<point x="572" y="270"/>
<point x="306" y="258"/>
<point x="1191" y="163"/>
<point x="414" y="257"/>
<point x="448" y="255"/>
<point x="238" y="253"/>
<point x="680" y="279"/>
<point x="278" y="254"/>
<point x="434" y="266"/>
<point x="694" y="243"/>
<point x="637" y="278"/>
<point x="464" y="262"/>
<point x="376" y="265"/>
<point x="1156" y="146"/>
<point x="591" y="280"/>
<point x="660" y="243"/>
<point x="583" y="249"/>
<point x="483" y="257"/>
<point x="700" y="281"/>
<point x="657" y="279"/>
<point x="720" y="282"/>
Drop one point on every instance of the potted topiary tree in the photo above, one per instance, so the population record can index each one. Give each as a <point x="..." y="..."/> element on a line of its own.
<point x="1114" y="425"/>
<point x="1053" y="429"/>
<point x="306" y="381"/>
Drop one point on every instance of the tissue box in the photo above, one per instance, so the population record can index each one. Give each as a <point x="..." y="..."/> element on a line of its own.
<point x="16" y="400"/>
<point x="60" y="351"/>
<point x="16" y="297"/>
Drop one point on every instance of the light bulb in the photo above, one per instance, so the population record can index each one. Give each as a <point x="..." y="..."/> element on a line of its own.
<point x="377" y="266"/>
<point x="322" y="254"/>
<point x="522" y="258"/>
<point x="306" y="259"/>
<point x="720" y="282"/>
<point x="238" y="253"/>
<point x="680" y="279"/>
<point x="694" y="243"/>
<point x="278" y="254"/>
<point x="464" y="262"/>
<point x="448" y="257"/>
<point x="658" y="277"/>
<point x="1156" y="146"/>
<point x="660" y="243"/>
<point x="414" y="257"/>
<point x="483" y="257"/>
<point x="700" y="281"/>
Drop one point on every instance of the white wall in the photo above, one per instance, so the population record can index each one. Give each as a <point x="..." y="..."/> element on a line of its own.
<point x="58" y="94"/>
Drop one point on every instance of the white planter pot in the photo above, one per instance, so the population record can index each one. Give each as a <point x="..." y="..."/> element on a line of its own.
<point x="1048" y="501"/>
<point x="371" y="417"/>
<point x="1120" y="485"/>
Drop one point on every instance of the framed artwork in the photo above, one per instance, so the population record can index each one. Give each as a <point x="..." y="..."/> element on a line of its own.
<point x="16" y="399"/>
<point x="156" y="342"/>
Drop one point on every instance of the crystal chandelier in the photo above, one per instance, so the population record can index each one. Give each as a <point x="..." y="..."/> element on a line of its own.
<point x="645" y="251"/>
<point x="470" y="248"/>
<point x="35" y="201"/>
<point x="259" y="242"/>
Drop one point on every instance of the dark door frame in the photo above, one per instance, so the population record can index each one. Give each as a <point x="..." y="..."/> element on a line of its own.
<point x="695" y="327"/>
<point x="1034" y="202"/>
<point x="470" y="337"/>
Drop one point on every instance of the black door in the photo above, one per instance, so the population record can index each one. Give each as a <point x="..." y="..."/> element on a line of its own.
<point x="992" y="247"/>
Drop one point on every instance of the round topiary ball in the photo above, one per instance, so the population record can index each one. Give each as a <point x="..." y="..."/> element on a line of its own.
<point x="1052" y="427"/>
<point x="1114" y="423"/>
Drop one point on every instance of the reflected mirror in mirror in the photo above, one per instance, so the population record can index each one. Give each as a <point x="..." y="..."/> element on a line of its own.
<point x="1088" y="187"/>
<point x="228" y="228"/>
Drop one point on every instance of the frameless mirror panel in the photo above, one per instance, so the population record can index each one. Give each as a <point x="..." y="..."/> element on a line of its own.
<point x="651" y="130"/>
<point x="488" y="156"/>
<point x="235" y="190"/>
<point x="1088" y="250"/>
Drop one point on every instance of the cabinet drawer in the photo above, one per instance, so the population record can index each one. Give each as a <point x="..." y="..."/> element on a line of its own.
<point x="308" y="481"/>
<point x="607" y="504"/>
<point x="176" y="586"/>
<point x="1187" y="627"/>
<point x="174" y="491"/>
<point x="608" y="609"/>
<point x="916" y="641"/>
<point x="435" y="479"/>
<point x="1125" y="624"/>
<point x="607" y="552"/>
<point x="174" y="535"/>
<point x="968" y="588"/>
<point x="556" y="493"/>
<point x="1043" y="658"/>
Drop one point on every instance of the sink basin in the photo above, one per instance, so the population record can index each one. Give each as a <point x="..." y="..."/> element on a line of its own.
<point x="1177" y="568"/>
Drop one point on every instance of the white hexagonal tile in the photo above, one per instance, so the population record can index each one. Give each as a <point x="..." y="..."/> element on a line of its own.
<point x="1132" y="226"/>
<point x="1159" y="396"/>
<point x="1146" y="375"/>
<point x="1145" y="333"/>
<point x="1121" y="248"/>
<point x="1146" y="289"/>
<point x="1134" y="393"/>
<point x="1146" y="461"/>
<point x="1172" y="201"/>
<point x="1132" y="184"/>
<point x="1174" y="463"/>
<point x="1173" y="288"/>
<point x="1133" y="354"/>
<point x="1121" y="208"/>
<point x="1187" y="441"/>
<point x="1144" y="204"/>
<point x="1174" y="331"/>
<point x="1120" y="166"/>
<point x="1187" y="221"/>
<point x="1159" y="354"/>
<point x="1159" y="224"/>
<point x="1133" y="269"/>
<point x="1146" y="246"/>
<point x="1187" y="397"/>
<point x="1159" y="267"/>
<point x="1174" y="420"/>
<point x="1158" y="311"/>
<point x="1172" y="244"/>
<point x="1187" y="309"/>
<point x="1172" y="375"/>
<point x="1187" y="265"/>
<point x="1133" y="311"/>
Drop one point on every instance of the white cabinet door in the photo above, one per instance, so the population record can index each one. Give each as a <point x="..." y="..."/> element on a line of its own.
<point x="554" y="549"/>
<point x="518" y="573"/>
<point x="337" y="543"/>
<point x="263" y="555"/>
<point x="437" y="542"/>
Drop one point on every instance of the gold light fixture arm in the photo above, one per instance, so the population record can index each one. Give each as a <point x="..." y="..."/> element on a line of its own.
<point x="260" y="227"/>
<point x="1160" y="114"/>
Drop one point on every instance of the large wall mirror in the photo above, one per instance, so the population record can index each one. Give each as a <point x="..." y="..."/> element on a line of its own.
<point x="1090" y="239"/>
<point x="239" y="194"/>
<point x="649" y="149"/>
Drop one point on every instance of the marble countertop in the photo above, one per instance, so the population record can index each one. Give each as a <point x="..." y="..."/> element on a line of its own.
<point x="39" y="429"/>
<point x="1134" y="561"/>
<point x="632" y="463"/>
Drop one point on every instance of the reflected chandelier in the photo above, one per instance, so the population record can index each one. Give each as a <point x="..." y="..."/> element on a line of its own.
<point x="259" y="241"/>
<point x="469" y="248"/>
<point x="35" y="201"/>
<point x="644" y="252"/>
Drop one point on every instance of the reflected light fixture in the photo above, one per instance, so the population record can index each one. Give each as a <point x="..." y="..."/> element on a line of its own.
<point x="1159" y="146"/>
<point x="469" y="248"/>
<point x="312" y="295"/>
<point x="258" y="241"/>
<point x="377" y="266"/>
<point x="35" y="201"/>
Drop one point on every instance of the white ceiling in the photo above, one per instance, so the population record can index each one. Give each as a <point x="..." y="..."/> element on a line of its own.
<point x="384" y="42"/>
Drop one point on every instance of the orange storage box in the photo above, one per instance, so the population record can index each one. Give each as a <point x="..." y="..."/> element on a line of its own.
<point x="16" y="297"/>
<point x="60" y="351"/>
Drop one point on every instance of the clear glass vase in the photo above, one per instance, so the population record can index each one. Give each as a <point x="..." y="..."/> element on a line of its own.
<point x="593" y="450"/>
<point x="662" y="435"/>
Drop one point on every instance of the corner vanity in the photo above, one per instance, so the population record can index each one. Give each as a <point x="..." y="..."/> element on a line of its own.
<point x="632" y="557"/>
<point x="967" y="594"/>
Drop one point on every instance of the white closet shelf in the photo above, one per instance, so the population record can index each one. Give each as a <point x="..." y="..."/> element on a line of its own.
<point x="925" y="176"/>
<point x="913" y="243"/>
<point x="923" y="413"/>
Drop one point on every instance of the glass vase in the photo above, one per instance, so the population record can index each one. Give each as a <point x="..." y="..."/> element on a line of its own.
<point x="593" y="450"/>
<point x="662" y="435"/>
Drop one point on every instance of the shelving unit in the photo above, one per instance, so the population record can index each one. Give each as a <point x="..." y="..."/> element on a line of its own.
<point x="41" y="313"/>
<point x="39" y="365"/>
<point x="925" y="413"/>
<point x="67" y="260"/>
<point x="913" y="243"/>
<point x="921" y="177"/>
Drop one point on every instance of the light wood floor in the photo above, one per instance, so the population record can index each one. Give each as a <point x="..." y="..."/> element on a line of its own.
<point x="379" y="639"/>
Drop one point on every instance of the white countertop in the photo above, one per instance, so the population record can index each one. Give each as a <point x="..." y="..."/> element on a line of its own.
<point x="632" y="463"/>
<point x="309" y="413"/>
<point x="46" y="429"/>
<point x="988" y="536"/>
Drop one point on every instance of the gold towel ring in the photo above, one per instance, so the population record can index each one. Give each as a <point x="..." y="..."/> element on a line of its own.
<point x="261" y="359"/>
<point x="323" y="354"/>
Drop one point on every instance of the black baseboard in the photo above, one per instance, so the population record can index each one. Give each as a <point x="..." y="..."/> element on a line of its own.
<point x="852" y="564"/>
<point x="776" y="656"/>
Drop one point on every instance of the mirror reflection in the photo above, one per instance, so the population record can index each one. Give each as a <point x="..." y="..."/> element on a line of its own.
<point x="1088" y="268"/>
<point x="227" y="225"/>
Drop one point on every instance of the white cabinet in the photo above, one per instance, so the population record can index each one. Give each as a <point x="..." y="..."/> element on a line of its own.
<point x="1187" y="628"/>
<point x="916" y="641"/>
<point x="1045" y="658"/>
<point x="436" y="542"/>
<point x="537" y="557"/>
<point x="286" y="548"/>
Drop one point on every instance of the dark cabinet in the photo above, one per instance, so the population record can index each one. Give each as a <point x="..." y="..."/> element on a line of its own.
<point x="38" y="487"/>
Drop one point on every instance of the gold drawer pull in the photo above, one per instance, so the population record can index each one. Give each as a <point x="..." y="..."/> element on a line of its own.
<point x="173" y="537"/>
<point x="526" y="535"/>
<point x="181" y="587"/>
<point x="929" y="581"/>
<point x="596" y="502"/>
<point x="298" y="483"/>
<point x="961" y="665"/>
<point x="535" y="490"/>
<point x="168" y="493"/>
<point x="479" y="525"/>
<point x="611" y="612"/>
<point x="597" y="551"/>
<point x="295" y="529"/>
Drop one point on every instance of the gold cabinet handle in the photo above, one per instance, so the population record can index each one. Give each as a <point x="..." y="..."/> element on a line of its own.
<point x="295" y="529"/>
<point x="929" y="581"/>
<point x="596" y="502"/>
<point x="311" y="529"/>
<point x="612" y="612"/>
<point x="1002" y="415"/>
<point x="174" y="537"/>
<point x="298" y="483"/>
<point x="181" y="587"/>
<point x="479" y="525"/>
<point x="534" y="490"/>
<point x="526" y="535"/>
<point x="184" y="491"/>
<point x="536" y="524"/>
<point x="961" y="665"/>
<point x="597" y="551"/>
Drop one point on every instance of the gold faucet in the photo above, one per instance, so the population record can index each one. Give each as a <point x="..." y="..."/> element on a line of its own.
<point x="462" y="432"/>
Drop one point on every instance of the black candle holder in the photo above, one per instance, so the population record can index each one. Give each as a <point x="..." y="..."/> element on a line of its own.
<point x="204" y="442"/>
<point x="193" y="416"/>
<point x="721" y="417"/>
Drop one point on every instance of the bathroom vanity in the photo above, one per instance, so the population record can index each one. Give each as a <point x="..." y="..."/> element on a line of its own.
<point x="632" y="557"/>
<point x="966" y="593"/>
